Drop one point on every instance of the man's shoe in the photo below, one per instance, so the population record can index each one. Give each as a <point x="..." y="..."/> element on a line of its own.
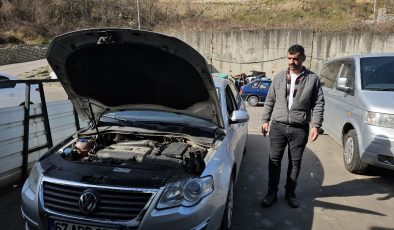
<point x="269" y="199"/>
<point x="292" y="200"/>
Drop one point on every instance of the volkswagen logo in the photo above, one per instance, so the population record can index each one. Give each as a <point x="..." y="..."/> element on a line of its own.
<point x="88" y="201"/>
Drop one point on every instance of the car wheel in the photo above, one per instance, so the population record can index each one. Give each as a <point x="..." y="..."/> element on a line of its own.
<point x="351" y="154"/>
<point x="253" y="100"/>
<point x="228" y="211"/>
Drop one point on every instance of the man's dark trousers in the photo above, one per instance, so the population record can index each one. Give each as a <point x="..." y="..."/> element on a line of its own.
<point x="295" y="137"/>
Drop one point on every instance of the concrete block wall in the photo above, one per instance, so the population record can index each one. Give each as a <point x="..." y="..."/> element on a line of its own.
<point x="265" y="50"/>
<point x="238" y="51"/>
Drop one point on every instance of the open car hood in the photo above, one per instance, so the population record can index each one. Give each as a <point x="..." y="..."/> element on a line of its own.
<point x="122" y="69"/>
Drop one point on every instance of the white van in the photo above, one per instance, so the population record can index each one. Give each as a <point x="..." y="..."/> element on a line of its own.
<point x="359" y="111"/>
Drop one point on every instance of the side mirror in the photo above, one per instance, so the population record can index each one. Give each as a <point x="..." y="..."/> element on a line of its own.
<point x="341" y="85"/>
<point x="239" y="116"/>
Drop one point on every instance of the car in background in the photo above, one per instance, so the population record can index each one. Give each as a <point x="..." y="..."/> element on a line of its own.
<point x="255" y="92"/>
<point x="359" y="109"/>
<point x="13" y="94"/>
<point x="163" y="155"/>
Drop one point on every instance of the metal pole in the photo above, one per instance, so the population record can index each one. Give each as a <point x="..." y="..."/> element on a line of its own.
<point x="138" y="15"/>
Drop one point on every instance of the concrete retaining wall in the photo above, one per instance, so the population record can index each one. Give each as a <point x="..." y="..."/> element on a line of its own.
<point x="264" y="50"/>
<point x="242" y="51"/>
<point x="18" y="54"/>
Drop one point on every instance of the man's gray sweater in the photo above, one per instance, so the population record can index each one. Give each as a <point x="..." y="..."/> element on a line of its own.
<point x="308" y="104"/>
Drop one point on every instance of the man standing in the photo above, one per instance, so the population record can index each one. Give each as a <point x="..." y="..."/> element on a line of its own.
<point x="295" y="99"/>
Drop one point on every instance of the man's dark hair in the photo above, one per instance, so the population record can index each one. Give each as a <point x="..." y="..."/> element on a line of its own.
<point x="296" y="49"/>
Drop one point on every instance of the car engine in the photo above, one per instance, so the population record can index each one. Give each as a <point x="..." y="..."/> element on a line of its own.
<point x="123" y="149"/>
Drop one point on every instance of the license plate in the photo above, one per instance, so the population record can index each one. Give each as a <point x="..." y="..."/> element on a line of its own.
<point x="61" y="225"/>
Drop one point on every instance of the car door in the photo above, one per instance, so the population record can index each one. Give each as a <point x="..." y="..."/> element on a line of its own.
<point x="345" y="102"/>
<point x="328" y="76"/>
<point x="236" y="131"/>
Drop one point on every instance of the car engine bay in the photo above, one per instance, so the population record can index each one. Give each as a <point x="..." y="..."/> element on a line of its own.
<point x="120" y="149"/>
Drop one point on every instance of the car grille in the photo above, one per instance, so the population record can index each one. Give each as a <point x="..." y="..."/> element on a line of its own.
<point x="113" y="205"/>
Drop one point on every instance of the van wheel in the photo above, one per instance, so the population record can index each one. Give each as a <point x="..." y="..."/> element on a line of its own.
<point x="228" y="211"/>
<point x="253" y="100"/>
<point x="351" y="154"/>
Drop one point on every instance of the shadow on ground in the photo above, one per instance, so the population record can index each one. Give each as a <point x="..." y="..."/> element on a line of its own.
<point x="251" y="188"/>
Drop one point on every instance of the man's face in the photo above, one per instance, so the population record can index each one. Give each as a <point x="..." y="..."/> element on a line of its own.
<point x="295" y="61"/>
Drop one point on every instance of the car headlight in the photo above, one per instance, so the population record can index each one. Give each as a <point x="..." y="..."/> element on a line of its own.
<point x="379" y="119"/>
<point x="34" y="177"/>
<point x="186" y="193"/>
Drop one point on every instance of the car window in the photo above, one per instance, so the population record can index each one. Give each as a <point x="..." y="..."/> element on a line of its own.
<point x="329" y="73"/>
<point x="4" y="85"/>
<point x="266" y="84"/>
<point x="237" y="97"/>
<point x="348" y="73"/>
<point x="377" y="73"/>
<point x="255" y="84"/>
<point x="263" y="86"/>
<point x="230" y="101"/>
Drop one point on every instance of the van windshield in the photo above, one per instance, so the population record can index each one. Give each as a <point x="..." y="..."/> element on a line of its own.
<point x="377" y="73"/>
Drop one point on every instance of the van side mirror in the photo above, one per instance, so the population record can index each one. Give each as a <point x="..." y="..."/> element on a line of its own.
<point x="341" y="85"/>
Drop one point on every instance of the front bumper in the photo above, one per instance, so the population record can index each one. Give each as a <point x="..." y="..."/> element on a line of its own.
<point x="207" y="214"/>
<point x="378" y="146"/>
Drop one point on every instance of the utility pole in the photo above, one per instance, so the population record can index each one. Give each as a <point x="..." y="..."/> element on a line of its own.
<point x="138" y="15"/>
<point x="374" y="10"/>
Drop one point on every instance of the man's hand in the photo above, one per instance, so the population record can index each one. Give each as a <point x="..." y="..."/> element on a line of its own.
<point x="314" y="133"/>
<point x="265" y="128"/>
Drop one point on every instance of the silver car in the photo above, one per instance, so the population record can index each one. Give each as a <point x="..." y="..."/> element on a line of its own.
<point x="359" y="111"/>
<point x="164" y="145"/>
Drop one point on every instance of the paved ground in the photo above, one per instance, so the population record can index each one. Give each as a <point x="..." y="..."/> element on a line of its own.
<point x="330" y="197"/>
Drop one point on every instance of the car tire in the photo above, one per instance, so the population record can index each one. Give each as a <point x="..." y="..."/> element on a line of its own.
<point x="228" y="211"/>
<point x="253" y="100"/>
<point x="351" y="154"/>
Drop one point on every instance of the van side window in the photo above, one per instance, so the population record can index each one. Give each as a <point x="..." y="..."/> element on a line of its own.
<point x="329" y="73"/>
<point x="347" y="72"/>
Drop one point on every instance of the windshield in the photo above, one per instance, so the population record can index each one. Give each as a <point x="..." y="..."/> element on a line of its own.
<point x="377" y="73"/>
<point x="158" y="116"/>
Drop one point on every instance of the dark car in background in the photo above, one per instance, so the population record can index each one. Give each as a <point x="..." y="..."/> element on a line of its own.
<point x="255" y="92"/>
